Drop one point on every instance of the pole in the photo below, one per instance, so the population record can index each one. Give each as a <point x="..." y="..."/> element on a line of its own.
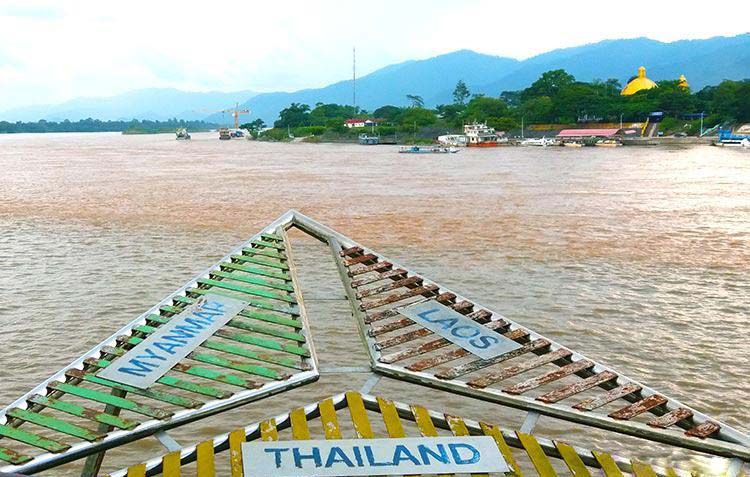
<point x="702" y="124"/>
<point x="620" y="120"/>
<point x="522" y="118"/>
<point x="354" y="78"/>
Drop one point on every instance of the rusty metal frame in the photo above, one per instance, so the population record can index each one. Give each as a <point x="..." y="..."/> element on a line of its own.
<point x="732" y="442"/>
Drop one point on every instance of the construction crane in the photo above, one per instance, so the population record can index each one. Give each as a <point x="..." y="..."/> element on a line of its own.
<point x="235" y="113"/>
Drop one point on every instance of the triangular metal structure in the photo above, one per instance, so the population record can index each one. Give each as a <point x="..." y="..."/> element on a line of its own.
<point x="264" y="350"/>
<point x="267" y="349"/>
<point x="354" y="415"/>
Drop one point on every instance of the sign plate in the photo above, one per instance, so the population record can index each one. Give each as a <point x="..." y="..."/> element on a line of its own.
<point x="153" y="357"/>
<point x="354" y="457"/>
<point x="459" y="329"/>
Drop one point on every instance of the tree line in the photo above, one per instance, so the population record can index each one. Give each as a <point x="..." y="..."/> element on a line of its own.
<point x="555" y="97"/>
<point x="95" y="125"/>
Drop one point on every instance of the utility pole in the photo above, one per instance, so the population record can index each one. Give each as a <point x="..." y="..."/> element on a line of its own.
<point x="620" y="120"/>
<point x="522" y="118"/>
<point x="702" y="113"/>
<point x="354" y="78"/>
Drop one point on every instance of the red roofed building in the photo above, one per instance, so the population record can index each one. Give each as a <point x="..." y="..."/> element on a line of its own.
<point x="582" y="133"/>
<point x="361" y="122"/>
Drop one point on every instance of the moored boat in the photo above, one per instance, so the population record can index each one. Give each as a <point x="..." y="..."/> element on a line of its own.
<point x="427" y="150"/>
<point x="182" y="134"/>
<point x="480" y="135"/>
<point x="366" y="140"/>
<point x="538" y="142"/>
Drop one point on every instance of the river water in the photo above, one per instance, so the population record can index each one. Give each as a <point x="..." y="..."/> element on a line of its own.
<point x="638" y="257"/>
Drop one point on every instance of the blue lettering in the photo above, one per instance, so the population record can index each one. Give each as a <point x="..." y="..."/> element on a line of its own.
<point x="457" y="455"/>
<point x="400" y="451"/>
<point x="358" y="456"/>
<point x="277" y="453"/>
<point x="206" y="315"/>
<point x="371" y="458"/>
<point x="140" y="370"/>
<point x="447" y="323"/>
<point x="332" y="457"/>
<point x="472" y="330"/>
<point x="178" y="336"/>
<point x="484" y="342"/>
<point x="427" y="313"/>
<point x="315" y="456"/>
<point x="151" y="355"/>
<point x="168" y="347"/>
<point x="425" y="453"/>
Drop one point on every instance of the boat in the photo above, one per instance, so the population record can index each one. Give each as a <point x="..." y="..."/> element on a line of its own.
<point x="729" y="138"/>
<point x="480" y="135"/>
<point x="538" y="142"/>
<point x="427" y="150"/>
<point x="454" y="140"/>
<point x="607" y="143"/>
<point x="572" y="144"/>
<point x="182" y="134"/>
<point x="366" y="140"/>
<point x="225" y="134"/>
<point x="413" y="330"/>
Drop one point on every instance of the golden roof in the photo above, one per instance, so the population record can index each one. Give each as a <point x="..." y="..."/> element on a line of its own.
<point x="682" y="82"/>
<point x="638" y="83"/>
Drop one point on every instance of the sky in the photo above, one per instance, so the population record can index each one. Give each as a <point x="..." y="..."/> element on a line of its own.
<point x="52" y="51"/>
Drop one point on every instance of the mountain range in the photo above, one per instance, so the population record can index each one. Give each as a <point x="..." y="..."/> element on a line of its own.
<point x="150" y="103"/>
<point x="704" y="62"/>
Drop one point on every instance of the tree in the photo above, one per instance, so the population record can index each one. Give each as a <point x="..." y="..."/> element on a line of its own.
<point x="256" y="125"/>
<point x="418" y="116"/>
<point x="549" y="84"/>
<point x="416" y="101"/>
<point x="389" y="112"/>
<point x="461" y="93"/>
<point x="293" y="116"/>
<point x="537" y="109"/>
<point x="482" y="108"/>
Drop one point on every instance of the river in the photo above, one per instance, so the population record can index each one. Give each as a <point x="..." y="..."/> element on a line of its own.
<point x="638" y="257"/>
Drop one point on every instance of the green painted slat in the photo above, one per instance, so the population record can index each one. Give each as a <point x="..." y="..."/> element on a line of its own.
<point x="149" y="393"/>
<point x="54" y="424"/>
<point x="84" y="412"/>
<point x="32" y="439"/>
<point x="177" y="383"/>
<point x="246" y="353"/>
<point x="217" y="345"/>
<point x="258" y="261"/>
<point x="250" y="326"/>
<point x="274" y="345"/>
<point x="261" y="243"/>
<point x="256" y="271"/>
<point x="247" y="290"/>
<point x="256" y="303"/>
<point x="277" y="238"/>
<point x="13" y="457"/>
<point x="197" y="371"/>
<point x="254" y="281"/>
<point x="245" y="368"/>
<point x="107" y="398"/>
<point x="253" y="340"/>
<point x="263" y="253"/>
<point x="279" y="320"/>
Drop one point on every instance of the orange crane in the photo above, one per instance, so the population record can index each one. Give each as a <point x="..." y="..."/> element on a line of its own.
<point x="235" y="113"/>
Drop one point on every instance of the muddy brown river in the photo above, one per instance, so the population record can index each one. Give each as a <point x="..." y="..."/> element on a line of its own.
<point x="636" y="257"/>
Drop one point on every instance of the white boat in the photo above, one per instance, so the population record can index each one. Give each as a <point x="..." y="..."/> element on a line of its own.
<point x="475" y="135"/>
<point x="607" y="143"/>
<point x="572" y="144"/>
<point x="427" y="150"/>
<point x="454" y="140"/>
<point x="538" y="142"/>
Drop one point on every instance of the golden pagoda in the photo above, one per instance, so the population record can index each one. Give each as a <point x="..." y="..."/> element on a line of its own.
<point x="682" y="82"/>
<point x="638" y="83"/>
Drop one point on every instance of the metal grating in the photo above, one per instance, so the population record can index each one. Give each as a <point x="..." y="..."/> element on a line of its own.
<point x="353" y="415"/>
<point x="263" y="350"/>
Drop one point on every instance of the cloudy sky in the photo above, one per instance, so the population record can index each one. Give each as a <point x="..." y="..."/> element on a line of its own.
<point x="51" y="51"/>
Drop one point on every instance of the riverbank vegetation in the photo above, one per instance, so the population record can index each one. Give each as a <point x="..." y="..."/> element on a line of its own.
<point x="556" y="99"/>
<point x="95" y="125"/>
